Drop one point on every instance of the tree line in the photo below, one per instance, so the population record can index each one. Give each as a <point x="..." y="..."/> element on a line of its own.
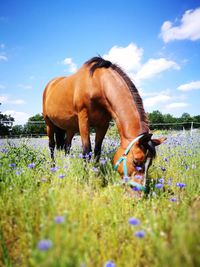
<point x="36" y="125"/>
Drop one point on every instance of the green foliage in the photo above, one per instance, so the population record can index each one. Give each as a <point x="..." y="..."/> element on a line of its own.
<point x="95" y="209"/>
<point x="35" y="128"/>
<point x="6" y="122"/>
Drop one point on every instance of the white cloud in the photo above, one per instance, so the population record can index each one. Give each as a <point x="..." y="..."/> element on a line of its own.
<point x="3" y="58"/>
<point x="5" y="100"/>
<point x="176" y="105"/>
<point x="155" y="66"/>
<point x="20" y="117"/>
<point x="72" y="67"/>
<point x="189" y="27"/>
<point x="155" y="100"/>
<point x="190" y="86"/>
<point x="129" y="57"/>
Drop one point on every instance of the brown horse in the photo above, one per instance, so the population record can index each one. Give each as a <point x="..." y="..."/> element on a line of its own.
<point x="96" y="93"/>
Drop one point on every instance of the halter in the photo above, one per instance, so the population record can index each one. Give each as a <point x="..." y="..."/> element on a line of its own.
<point x="123" y="158"/>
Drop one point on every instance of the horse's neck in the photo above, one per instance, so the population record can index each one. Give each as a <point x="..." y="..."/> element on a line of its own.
<point x="122" y="107"/>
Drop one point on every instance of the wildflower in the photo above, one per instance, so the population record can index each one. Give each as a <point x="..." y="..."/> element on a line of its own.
<point x="54" y="169"/>
<point x="163" y="169"/>
<point x="59" y="219"/>
<point x="44" y="244"/>
<point x="125" y="179"/>
<point x="134" y="221"/>
<point x="181" y="185"/>
<point x="159" y="186"/>
<point x="31" y="165"/>
<point x="95" y="169"/>
<point x="138" y="168"/>
<point x="103" y="161"/>
<point x="173" y="199"/>
<point x="109" y="264"/>
<point x="12" y="165"/>
<point x="161" y="180"/>
<point x="137" y="176"/>
<point x="61" y="176"/>
<point x="139" y="234"/>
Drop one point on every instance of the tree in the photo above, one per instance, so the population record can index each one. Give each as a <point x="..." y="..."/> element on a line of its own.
<point x="17" y="130"/>
<point x="6" y="123"/>
<point x="35" y="125"/>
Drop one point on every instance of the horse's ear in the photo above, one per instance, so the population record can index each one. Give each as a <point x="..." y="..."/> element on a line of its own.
<point x="158" y="141"/>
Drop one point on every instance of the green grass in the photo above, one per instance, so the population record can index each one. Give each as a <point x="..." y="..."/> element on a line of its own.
<point x="96" y="210"/>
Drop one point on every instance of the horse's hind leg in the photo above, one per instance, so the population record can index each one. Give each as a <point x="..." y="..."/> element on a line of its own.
<point x="68" y="141"/>
<point x="60" y="138"/>
<point x="50" y="133"/>
<point x="100" y="134"/>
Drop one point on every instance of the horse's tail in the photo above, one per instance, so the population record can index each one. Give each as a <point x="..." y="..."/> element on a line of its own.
<point x="60" y="138"/>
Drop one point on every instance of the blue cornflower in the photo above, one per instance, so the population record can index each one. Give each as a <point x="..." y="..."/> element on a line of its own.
<point x="95" y="169"/>
<point x="61" y="176"/>
<point x="109" y="264"/>
<point x="161" y="180"/>
<point x="59" y="219"/>
<point x="44" y="244"/>
<point x="134" y="221"/>
<point x="173" y="199"/>
<point x="54" y="169"/>
<point x="103" y="161"/>
<point x="125" y="179"/>
<point x="163" y="169"/>
<point x="12" y="165"/>
<point x="138" y="168"/>
<point x="181" y="185"/>
<point x="139" y="234"/>
<point x="137" y="176"/>
<point x="159" y="186"/>
<point x="31" y="165"/>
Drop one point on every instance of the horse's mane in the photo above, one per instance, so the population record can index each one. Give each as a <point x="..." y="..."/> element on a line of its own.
<point x="99" y="62"/>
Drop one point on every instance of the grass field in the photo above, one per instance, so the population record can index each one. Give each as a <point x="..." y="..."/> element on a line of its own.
<point x="78" y="214"/>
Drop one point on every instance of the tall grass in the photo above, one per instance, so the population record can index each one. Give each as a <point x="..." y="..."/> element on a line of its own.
<point x="78" y="214"/>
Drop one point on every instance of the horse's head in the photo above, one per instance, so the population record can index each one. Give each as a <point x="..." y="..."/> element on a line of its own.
<point x="133" y="162"/>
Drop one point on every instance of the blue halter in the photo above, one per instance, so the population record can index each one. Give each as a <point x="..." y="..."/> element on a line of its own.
<point x="123" y="158"/>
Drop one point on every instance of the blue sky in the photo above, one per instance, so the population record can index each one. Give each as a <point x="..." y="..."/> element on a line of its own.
<point x="156" y="42"/>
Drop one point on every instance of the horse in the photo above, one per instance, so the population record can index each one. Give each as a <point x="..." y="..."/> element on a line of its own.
<point x="97" y="93"/>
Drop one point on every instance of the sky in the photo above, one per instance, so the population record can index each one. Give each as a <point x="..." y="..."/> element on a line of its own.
<point x="157" y="43"/>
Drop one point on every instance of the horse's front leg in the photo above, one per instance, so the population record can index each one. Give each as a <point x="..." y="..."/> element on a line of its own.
<point x="84" y="129"/>
<point x="68" y="141"/>
<point x="100" y="134"/>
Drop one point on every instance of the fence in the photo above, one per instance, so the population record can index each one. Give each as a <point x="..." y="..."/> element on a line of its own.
<point x="178" y="126"/>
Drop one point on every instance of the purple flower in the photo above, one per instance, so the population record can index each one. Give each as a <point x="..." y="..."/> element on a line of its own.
<point x="61" y="176"/>
<point x="139" y="234"/>
<point x="103" y="161"/>
<point x="161" y="180"/>
<point x="138" y="168"/>
<point x="31" y="165"/>
<point x="163" y="169"/>
<point x="181" y="185"/>
<point x="125" y="179"/>
<point x="54" y="169"/>
<point x="137" y="176"/>
<point x="95" y="169"/>
<point x="59" y="219"/>
<point x="109" y="264"/>
<point x="173" y="199"/>
<point x="159" y="186"/>
<point x="12" y="165"/>
<point x="44" y="244"/>
<point x="134" y="221"/>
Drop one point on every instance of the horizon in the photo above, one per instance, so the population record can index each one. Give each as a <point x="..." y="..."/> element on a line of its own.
<point x="156" y="44"/>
